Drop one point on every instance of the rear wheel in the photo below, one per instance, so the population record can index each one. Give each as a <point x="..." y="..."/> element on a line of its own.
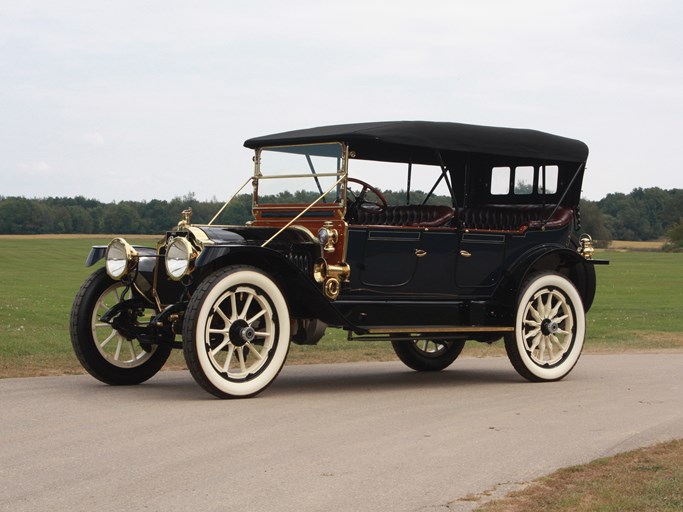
<point x="236" y="332"/>
<point x="549" y="328"/>
<point x="427" y="355"/>
<point x="103" y="351"/>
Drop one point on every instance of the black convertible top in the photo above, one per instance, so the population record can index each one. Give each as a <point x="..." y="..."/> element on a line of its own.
<point x="419" y="141"/>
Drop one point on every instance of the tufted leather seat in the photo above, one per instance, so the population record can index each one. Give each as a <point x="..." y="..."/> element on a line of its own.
<point x="408" y="215"/>
<point x="513" y="217"/>
<point x="486" y="217"/>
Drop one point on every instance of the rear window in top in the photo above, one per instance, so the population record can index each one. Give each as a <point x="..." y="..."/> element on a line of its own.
<point x="524" y="180"/>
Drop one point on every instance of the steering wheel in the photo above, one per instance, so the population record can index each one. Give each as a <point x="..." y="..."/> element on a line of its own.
<point x="359" y="201"/>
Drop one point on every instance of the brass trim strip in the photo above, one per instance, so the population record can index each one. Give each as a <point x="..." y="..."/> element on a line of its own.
<point x="283" y="176"/>
<point x="436" y="328"/>
<point x="228" y="201"/>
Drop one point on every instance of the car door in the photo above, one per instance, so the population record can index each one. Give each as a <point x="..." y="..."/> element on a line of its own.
<point x="402" y="260"/>
<point x="480" y="262"/>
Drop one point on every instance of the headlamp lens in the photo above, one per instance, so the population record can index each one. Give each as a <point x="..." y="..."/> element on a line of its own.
<point x="179" y="253"/>
<point x="120" y="258"/>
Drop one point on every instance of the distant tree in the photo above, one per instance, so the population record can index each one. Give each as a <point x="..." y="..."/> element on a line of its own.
<point x="61" y="220"/>
<point x="673" y="211"/>
<point x="653" y="202"/>
<point x="416" y="197"/>
<point x="674" y="236"/>
<point x="237" y="212"/>
<point x="593" y="222"/>
<point x="13" y="212"/>
<point x="524" y="187"/>
<point x="81" y="220"/>
<point x="121" y="218"/>
<point x="624" y="217"/>
<point x="155" y="216"/>
<point x="644" y="214"/>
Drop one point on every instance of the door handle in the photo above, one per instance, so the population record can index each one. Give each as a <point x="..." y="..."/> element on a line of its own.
<point x="420" y="253"/>
<point x="465" y="254"/>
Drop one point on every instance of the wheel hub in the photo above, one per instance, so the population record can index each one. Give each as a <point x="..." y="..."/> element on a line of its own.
<point x="549" y="327"/>
<point x="241" y="333"/>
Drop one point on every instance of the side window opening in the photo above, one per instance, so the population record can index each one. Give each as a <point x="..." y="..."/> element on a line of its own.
<point x="500" y="181"/>
<point x="524" y="180"/>
<point x="391" y="178"/>
<point x="551" y="178"/>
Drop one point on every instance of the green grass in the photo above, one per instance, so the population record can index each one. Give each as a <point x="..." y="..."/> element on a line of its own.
<point x="636" y="308"/>
<point x="649" y="479"/>
<point x="638" y="302"/>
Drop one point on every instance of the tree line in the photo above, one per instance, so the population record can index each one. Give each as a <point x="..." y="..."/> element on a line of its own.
<point x="642" y="214"/>
<point x="62" y="215"/>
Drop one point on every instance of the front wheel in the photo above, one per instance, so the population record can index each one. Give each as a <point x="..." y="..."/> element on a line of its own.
<point x="427" y="355"/>
<point x="236" y="332"/>
<point x="103" y="351"/>
<point x="549" y="330"/>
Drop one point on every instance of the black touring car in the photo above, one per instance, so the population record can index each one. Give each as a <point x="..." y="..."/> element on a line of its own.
<point x="481" y="243"/>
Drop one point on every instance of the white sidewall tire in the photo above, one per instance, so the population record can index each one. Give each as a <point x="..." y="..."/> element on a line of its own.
<point x="223" y="387"/>
<point x="560" y="369"/>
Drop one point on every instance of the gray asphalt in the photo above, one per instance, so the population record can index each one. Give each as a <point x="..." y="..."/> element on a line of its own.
<point x="355" y="437"/>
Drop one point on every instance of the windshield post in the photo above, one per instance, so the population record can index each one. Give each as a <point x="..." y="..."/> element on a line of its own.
<point x="410" y="174"/>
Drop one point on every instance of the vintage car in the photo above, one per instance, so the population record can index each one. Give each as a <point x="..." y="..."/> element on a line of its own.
<point x="478" y="243"/>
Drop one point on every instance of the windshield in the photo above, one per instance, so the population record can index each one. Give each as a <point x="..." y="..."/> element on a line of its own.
<point x="299" y="174"/>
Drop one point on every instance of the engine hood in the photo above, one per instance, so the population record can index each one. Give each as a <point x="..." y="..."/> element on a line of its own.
<point x="250" y="235"/>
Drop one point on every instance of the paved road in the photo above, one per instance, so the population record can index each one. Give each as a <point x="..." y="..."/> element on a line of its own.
<point x="324" y="437"/>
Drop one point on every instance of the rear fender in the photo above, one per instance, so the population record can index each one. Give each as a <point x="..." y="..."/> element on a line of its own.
<point x="558" y="259"/>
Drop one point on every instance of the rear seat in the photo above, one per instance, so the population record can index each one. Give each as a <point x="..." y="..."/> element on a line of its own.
<point x="408" y="215"/>
<point x="485" y="217"/>
<point x="513" y="217"/>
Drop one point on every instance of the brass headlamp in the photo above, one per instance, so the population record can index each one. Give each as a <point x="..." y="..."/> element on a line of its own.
<point x="120" y="259"/>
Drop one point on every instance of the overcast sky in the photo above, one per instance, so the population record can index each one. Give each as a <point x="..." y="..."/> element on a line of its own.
<point x="153" y="99"/>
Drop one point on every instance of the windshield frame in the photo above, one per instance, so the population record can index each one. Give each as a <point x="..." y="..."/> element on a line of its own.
<point x="340" y="176"/>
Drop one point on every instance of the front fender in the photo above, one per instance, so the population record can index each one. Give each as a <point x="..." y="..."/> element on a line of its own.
<point x="97" y="252"/>
<point x="304" y="296"/>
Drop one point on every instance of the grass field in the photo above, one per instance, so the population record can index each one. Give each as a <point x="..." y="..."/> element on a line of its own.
<point x="631" y="245"/>
<point x="645" y="480"/>
<point x="637" y="307"/>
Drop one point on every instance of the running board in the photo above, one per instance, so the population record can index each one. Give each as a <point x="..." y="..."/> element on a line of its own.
<point x="428" y="332"/>
<point x="435" y="329"/>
